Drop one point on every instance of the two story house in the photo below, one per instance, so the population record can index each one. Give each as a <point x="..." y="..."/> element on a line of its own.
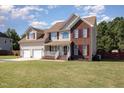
<point x="74" y="38"/>
<point x="5" y="44"/>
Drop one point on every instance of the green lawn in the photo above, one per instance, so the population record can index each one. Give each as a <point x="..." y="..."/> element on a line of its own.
<point x="8" y="57"/>
<point x="61" y="74"/>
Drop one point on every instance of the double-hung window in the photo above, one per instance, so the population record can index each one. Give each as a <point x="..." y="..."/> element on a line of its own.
<point x="85" y="33"/>
<point x="76" y="33"/>
<point x="53" y="36"/>
<point x="65" y="35"/>
<point x="75" y="49"/>
<point x="32" y="35"/>
<point x="84" y="50"/>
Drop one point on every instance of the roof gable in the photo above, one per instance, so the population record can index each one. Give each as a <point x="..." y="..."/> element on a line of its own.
<point x="34" y="29"/>
<point x="3" y="35"/>
<point x="91" y="19"/>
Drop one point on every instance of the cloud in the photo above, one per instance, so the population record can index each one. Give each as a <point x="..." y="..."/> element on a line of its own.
<point x="105" y="18"/>
<point x="94" y="10"/>
<point x="52" y="6"/>
<point x="79" y="7"/>
<point x="24" y="12"/>
<point x="97" y="10"/>
<point x="56" y="21"/>
<point x="39" y="24"/>
<point x="2" y="20"/>
<point x="90" y="9"/>
<point x="6" y="8"/>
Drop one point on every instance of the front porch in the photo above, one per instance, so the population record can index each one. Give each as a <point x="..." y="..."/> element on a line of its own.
<point x="55" y="50"/>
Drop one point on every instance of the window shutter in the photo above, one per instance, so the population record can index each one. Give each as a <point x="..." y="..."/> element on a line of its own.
<point x="80" y="33"/>
<point x="57" y="35"/>
<point x="80" y="48"/>
<point x="73" y="34"/>
<point x="50" y="48"/>
<point x="88" y="32"/>
<point x="88" y="50"/>
<point x="49" y="36"/>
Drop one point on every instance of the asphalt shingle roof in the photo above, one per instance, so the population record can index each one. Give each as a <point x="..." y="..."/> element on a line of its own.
<point x="3" y="35"/>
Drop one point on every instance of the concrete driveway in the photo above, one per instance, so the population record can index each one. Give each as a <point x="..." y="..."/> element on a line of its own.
<point x="18" y="59"/>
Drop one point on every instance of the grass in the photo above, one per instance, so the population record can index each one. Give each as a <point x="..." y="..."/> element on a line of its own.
<point x="8" y="57"/>
<point x="61" y="74"/>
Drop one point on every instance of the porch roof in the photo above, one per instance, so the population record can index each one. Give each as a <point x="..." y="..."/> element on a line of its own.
<point x="54" y="43"/>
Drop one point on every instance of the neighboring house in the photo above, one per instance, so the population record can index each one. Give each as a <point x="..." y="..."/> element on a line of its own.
<point x="5" y="42"/>
<point x="74" y="38"/>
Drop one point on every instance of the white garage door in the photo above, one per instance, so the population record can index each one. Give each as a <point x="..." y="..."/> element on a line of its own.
<point x="37" y="53"/>
<point x="26" y="54"/>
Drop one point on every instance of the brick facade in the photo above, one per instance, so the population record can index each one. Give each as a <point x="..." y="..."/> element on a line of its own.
<point x="80" y="41"/>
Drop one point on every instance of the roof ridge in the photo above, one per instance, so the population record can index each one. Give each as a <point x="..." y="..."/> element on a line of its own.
<point x="88" y="16"/>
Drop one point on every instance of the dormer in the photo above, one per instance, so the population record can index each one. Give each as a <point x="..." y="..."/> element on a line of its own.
<point x="32" y="35"/>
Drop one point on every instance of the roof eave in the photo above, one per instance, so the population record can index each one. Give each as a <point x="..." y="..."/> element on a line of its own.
<point x="87" y="22"/>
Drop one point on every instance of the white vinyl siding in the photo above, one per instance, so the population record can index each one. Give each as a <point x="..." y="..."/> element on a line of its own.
<point x="75" y="49"/>
<point x="84" y="51"/>
<point x="5" y="43"/>
<point x="85" y="34"/>
<point x="76" y="33"/>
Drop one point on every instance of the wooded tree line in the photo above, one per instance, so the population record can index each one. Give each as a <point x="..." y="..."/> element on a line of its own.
<point x="110" y="35"/>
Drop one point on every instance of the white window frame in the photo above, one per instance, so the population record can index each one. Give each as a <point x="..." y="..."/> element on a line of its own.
<point x="84" y="50"/>
<point x="75" y="49"/>
<point x="65" y="36"/>
<point x="76" y="33"/>
<point x="54" y="37"/>
<point x="30" y="35"/>
<point x="85" y="32"/>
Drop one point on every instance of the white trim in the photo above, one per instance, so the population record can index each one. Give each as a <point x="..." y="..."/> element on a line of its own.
<point x="73" y="22"/>
<point x="87" y="22"/>
<point x="91" y="44"/>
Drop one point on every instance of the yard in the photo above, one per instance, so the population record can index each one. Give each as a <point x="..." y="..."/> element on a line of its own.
<point x="61" y="74"/>
<point x="8" y="57"/>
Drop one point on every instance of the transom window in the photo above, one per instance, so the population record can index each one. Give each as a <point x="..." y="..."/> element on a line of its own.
<point x="32" y="35"/>
<point x="75" y="49"/>
<point x="65" y="35"/>
<point x="53" y="36"/>
<point x="76" y="33"/>
<point x="85" y="33"/>
<point x="84" y="50"/>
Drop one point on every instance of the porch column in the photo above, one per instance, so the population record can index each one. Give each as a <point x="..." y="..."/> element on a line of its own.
<point x="21" y="53"/>
<point x="69" y="50"/>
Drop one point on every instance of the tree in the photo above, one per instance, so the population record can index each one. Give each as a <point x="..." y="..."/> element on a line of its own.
<point x="23" y="35"/>
<point x="110" y="35"/>
<point x="11" y="33"/>
<point x="101" y="35"/>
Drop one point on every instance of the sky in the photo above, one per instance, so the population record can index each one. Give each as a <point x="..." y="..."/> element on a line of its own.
<point x="20" y="17"/>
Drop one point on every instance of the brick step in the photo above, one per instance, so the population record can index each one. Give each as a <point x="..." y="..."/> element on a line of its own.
<point x="62" y="57"/>
<point x="48" y="57"/>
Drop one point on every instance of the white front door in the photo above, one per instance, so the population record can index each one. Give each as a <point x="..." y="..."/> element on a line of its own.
<point x="26" y="54"/>
<point x="37" y="53"/>
<point x="61" y="50"/>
